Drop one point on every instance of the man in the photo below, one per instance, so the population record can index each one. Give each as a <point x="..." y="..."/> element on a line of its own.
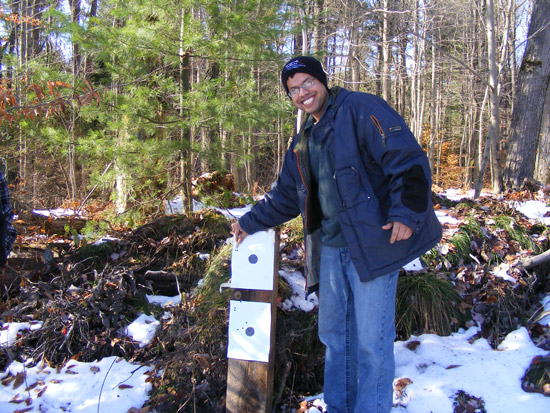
<point x="362" y="185"/>
<point x="7" y="231"/>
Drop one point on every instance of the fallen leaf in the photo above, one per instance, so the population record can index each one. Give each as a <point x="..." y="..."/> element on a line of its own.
<point x="402" y="383"/>
<point x="7" y="380"/>
<point x="202" y="359"/>
<point x="19" y="380"/>
<point x="412" y="345"/>
<point x="303" y="407"/>
<point x="125" y="386"/>
<point x="32" y="386"/>
<point x="16" y="399"/>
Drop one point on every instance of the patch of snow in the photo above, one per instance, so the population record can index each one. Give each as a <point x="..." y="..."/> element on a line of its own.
<point x="109" y="385"/>
<point x="164" y="301"/>
<point x="56" y="213"/>
<point x="299" y="299"/>
<point x="533" y="209"/>
<point x="105" y="239"/>
<point x="456" y="194"/>
<point x="142" y="329"/>
<point x="10" y="331"/>
<point x="175" y="206"/>
<point x="501" y="271"/>
<point x="445" y="219"/>
<point x="203" y="256"/>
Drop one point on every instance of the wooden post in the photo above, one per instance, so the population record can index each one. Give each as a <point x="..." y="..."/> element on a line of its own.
<point x="252" y="317"/>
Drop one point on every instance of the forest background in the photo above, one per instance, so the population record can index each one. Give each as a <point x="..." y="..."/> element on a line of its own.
<point x="126" y="101"/>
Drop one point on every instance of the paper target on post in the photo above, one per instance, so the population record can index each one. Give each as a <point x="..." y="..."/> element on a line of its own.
<point x="249" y="331"/>
<point x="252" y="262"/>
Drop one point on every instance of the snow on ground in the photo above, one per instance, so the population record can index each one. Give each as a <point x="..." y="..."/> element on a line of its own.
<point x="142" y="329"/>
<point x="458" y="194"/>
<point x="299" y="299"/>
<point x="108" y="385"/>
<point x="534" y="209"/>
<point x="9" y="331"/>
<point x="55" y="213"/>
<point x="439" y="367"/>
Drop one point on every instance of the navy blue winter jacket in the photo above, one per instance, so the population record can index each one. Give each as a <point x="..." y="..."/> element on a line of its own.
<point x="8" y="233"/>
<point x="382" y="175"/>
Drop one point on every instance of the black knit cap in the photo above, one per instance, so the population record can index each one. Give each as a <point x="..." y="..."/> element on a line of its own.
<point x="303" y="64"/>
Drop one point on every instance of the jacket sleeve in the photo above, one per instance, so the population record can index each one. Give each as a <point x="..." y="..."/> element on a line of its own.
<point x="399" y="159"/>
<point x="8" y="233"/>
<point x="279" y="205"/>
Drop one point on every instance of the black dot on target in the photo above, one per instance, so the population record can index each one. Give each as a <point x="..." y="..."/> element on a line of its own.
<point x="249" y="331"/>
<point x="253" y="259"/>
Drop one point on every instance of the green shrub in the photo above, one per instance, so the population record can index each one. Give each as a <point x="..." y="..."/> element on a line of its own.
<point x="427" y="303"/>
<point x="294" y="229"/>
<point x="517" y="232"/>
<point x="462" y="241"/>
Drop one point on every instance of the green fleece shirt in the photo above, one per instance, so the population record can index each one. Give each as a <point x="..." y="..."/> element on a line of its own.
<point x="321" y="162"/>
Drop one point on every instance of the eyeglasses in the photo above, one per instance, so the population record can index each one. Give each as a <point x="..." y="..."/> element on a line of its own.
<point x="306" y="85"/>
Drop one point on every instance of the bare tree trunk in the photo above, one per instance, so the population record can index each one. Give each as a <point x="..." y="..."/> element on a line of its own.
<point x="494" y="124"/>
<point x="185" y="138"/>
<point x="87" y="61"/>
<point x="319" y="28"/>
<point x="417" y="93"/>
<point x="512" y="57"/>
<point x="542" y="169"/>
<point x="533" y="79"/>
<point x="386" y="53"/>
<point x="401" y="98"/>
<point x="121" y="178"/>
<point x="433" y="110"/>
<point x="71" y="150"/>
<point x="353" y="75"/>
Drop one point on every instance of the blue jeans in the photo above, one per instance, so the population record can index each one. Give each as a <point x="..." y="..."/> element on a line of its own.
<point x="357" y="326"/>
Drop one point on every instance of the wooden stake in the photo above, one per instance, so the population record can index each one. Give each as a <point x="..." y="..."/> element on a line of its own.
<point x="250" y="382"/>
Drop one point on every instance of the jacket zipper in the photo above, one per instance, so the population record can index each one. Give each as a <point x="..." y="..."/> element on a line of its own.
<point x="305" y="218"/>
<point x="377" y="124"/>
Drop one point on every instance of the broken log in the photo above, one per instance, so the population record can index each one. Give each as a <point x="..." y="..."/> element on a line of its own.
<point x="161" y="282"/>
<point x="60" y="225"/>
<point x="530" y="262"/>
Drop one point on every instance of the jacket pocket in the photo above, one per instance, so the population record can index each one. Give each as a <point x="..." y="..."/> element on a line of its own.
<point x="351" y="189"/>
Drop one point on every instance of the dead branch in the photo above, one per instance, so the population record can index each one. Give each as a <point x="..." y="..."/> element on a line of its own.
<point x="530" y="262"/>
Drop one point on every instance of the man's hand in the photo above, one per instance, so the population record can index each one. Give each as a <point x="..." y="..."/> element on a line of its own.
<point x="400" y="231"/>
<point x="238" y="232"/>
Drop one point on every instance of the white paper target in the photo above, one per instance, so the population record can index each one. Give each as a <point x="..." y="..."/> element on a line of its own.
<point x="249" y="331"/>
<point x="252" y="262"/>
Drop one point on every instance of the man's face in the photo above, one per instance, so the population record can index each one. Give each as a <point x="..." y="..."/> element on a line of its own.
<point x="314" y="99"/>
